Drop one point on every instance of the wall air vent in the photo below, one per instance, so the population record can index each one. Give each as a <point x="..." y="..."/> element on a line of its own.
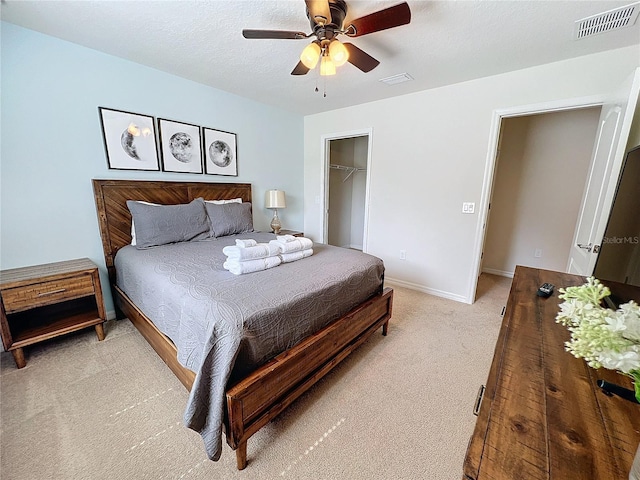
<point x="605" y="22"/>
<point x="395" y="79"/>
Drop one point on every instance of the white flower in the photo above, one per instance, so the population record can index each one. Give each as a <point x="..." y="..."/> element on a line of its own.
<point x="624" y="361"/>
<point x="615" y="322"/>
<point x="631" y="314"/>
<point x="602" y="337"/>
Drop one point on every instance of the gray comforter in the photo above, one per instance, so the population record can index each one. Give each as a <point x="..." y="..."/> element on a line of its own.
<point x="223" y="325"/>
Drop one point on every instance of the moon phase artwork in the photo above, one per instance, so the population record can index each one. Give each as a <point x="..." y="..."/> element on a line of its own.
<point x="220" y="152"/>
<point x="129" y="140"/>
<point x="126" y="140"/>
<point x="180" y="146"/>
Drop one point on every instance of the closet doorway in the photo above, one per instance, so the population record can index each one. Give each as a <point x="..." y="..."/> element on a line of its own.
<point x="347" y="160"/>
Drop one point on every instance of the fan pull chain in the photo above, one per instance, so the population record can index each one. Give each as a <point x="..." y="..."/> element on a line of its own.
<point x="324" y="87"/>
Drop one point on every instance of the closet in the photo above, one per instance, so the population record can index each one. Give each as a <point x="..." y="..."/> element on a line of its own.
<point x="347" y="191"/>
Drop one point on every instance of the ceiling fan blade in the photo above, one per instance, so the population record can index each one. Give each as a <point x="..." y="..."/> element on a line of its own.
<point x="319" y="8"/>
<point x="380" y="20"/>
<point x="300" y="69"/>
<point x="360" y="59"/>
<point x="280" y="34"/>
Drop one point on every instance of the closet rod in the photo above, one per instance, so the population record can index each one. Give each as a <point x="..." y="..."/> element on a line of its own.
<point x="351" y="170"/>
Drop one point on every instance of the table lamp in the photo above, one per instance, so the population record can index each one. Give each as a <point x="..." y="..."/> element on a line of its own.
<point x="275" y="199"/>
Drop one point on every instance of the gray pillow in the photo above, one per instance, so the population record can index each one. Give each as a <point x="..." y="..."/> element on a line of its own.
<point x="161" y="224"/>
<point x="230" y="218"/>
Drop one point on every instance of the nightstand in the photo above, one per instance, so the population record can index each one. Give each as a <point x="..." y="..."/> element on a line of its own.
<point x="45" y="301"/>
<point x="295" y="233"/>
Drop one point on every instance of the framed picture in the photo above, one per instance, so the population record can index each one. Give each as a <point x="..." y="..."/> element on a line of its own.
<point x="129" y="140"/>
<point x="180" y="146"/>
<point x="220" y="152"/>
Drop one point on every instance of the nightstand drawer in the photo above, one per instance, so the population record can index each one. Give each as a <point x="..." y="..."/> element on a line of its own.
<point x="31" y="296"/>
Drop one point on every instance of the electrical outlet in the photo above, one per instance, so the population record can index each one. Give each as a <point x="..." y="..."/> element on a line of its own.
<point x="403" y="254"/>
<point x="468" y="207"/>
<point x="537" y="253"/>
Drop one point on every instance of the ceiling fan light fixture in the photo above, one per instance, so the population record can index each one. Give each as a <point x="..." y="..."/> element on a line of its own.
<point x="327" y="67"/>
<point x="310" y="55"/>
<point x="338" y="53"/>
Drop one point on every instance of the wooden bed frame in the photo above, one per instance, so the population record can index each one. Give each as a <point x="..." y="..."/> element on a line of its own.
<point x="257" y="399"/>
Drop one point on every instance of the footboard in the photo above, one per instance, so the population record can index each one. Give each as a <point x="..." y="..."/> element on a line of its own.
<point x="261" y="396"/>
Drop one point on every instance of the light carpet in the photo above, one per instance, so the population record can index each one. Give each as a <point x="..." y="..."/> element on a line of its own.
<point x="400" y="407"/>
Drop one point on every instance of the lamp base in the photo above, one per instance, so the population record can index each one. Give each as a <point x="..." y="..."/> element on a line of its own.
<point x="276" y="226"/>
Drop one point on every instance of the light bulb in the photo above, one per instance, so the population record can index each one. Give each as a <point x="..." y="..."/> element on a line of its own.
<point x="327" y="67"/>
<point x="310" y="55"/>
<point x="146" y="131"/>
<point x="338" y="53"/>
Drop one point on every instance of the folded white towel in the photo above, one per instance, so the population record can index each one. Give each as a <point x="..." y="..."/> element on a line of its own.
<point x="293" y="256"/>
<point x="285" y="238"/>
<point x="244" y="243"/>
<point x="261" y="250"/>
<point x="238" y="268"/>
<point x="299" y="244"/>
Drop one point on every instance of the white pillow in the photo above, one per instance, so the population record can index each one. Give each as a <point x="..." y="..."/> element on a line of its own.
<point x="222" y="202"/>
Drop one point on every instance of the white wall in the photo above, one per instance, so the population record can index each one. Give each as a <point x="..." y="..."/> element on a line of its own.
<point x="52" y="143"/>
<point x="429" y="153"/>
<point x="538" y="187"/>
<point x="359" y="191"/>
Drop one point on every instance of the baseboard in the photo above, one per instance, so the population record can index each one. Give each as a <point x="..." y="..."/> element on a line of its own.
<point x="421" y="288"/>
<point x="500" y="273"/>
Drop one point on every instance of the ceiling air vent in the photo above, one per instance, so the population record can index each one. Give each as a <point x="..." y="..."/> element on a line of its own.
<point x="395" y="79"/>
<point x="604" y="22"/>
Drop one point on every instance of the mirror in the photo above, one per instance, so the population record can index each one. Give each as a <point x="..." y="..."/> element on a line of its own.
<point x="619" y="258"/>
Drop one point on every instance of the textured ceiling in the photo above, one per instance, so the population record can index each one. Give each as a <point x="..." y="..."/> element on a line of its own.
<point x="446" y="42"/>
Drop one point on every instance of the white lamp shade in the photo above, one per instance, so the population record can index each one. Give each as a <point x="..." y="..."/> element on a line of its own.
<point x="327" y="67"/>
<point x="338" y="53"/>
<point x="310" y="55"/>
<point x="275" y="199"/>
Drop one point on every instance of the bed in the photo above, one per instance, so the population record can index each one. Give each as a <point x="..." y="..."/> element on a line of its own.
<point x="258" y="385"/>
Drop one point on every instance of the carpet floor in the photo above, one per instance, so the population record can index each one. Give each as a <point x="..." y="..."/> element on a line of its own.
<point x="400" y="407"/>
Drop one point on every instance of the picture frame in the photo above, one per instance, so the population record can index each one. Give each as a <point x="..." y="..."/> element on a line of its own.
<point x="220" y="152"/>
<point x="129" y="140"/>
<point x="180" y="146"/>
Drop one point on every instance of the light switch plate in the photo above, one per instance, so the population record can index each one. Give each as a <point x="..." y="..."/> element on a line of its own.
<point x="468" y="207"/>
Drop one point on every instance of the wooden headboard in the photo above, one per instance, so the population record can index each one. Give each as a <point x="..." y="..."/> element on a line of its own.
<point x="114" y="217"/>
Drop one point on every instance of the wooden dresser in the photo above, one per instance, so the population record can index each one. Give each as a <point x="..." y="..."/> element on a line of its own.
<point x="542" y="415"/>
<point x="44" y="301"/>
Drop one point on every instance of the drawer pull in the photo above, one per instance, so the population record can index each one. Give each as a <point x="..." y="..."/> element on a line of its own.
<point x="52" y="292"/>
<point x="476" y="408"/>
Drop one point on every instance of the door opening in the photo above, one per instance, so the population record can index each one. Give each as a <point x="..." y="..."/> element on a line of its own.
<point x="346" y="189"/>
<point x="600" y="189"/>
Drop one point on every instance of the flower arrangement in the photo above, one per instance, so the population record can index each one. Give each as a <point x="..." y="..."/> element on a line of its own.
<point x="602" y="336"/>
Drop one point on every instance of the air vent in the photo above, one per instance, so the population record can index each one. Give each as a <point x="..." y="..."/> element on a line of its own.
<point x="605" y="22"/>
<point x="395" y="79"/>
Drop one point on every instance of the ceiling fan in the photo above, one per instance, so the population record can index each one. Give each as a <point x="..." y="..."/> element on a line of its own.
<point x="327" y="22"/>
